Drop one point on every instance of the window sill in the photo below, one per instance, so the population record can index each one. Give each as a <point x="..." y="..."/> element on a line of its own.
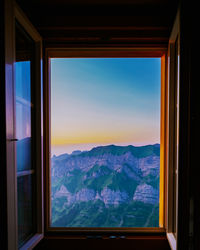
<point x="81" y="242"/>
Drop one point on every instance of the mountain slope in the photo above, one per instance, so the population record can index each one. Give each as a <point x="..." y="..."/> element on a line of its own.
<point x="110" y="186"/>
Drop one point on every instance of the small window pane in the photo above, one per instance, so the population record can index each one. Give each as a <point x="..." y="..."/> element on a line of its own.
<point x="23" y="104"/>
<point x="23" y="115"/>
<point x="23" y="81"/>
<point x="25" y="208"/>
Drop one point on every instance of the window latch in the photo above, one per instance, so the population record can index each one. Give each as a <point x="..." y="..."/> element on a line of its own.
<point x="14" y="139"/>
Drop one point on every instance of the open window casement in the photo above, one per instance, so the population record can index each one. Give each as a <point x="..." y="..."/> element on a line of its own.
<point x="173" y="132"/>
<point x="24" y="139"/>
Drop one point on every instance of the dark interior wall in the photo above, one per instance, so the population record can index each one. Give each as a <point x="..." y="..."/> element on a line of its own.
<point x="189" y="198"/>
<point x="194" y="231"/>
<point x="3" y="200"/>
<point x="192" y="18"/>
<point x="95" y="23"/>
<point x="184" y="169"/>
<point x="189" y="174"/>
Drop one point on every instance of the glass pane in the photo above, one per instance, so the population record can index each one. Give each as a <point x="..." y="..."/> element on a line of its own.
<point x="105" y="135"/>
<point x="24" y="57"/>
<point x="24" y="134"/>
<point x="23" y="114"/>
<point x="25" y="208"/>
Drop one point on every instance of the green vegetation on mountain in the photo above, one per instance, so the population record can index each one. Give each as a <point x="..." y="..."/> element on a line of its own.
<point x="91" y="189"/>
<point x="90" y="214"/>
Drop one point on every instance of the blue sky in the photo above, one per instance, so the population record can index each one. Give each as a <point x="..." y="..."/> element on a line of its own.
<point x="101" y="101"/>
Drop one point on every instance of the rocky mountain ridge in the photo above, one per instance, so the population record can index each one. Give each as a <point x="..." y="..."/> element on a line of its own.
<point x="112" y="175"/>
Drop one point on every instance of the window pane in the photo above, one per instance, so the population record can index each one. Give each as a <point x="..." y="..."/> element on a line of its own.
<point x="105" y="135"/>
<point x="23" y="115"/>
<point x="24" y="58"/>
<point x="24" y="133"/>
<point x="25" y="208"/>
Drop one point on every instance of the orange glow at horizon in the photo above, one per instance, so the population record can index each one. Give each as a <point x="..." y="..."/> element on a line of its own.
<point x="137" y="135"/>
<point x="105" y="101"/>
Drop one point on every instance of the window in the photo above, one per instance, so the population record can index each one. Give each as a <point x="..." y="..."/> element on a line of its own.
<point x="173" y="165"/>
<point x="24" y="138"/>
<point x="25" y="110"/>
<point x="92" y="184"/>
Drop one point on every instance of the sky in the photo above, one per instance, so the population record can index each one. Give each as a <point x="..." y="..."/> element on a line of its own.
<point x="103" y="101"/>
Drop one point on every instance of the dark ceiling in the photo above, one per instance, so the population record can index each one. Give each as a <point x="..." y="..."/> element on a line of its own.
<point x="99" y="2"/>
<point x="102" y="22"/>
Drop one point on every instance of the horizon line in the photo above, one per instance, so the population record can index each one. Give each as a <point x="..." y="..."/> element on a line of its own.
<point x="82" y="151"/>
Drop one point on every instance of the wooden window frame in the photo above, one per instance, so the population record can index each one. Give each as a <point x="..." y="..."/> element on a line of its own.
<point x="173" y="131"/>
<point x="13" y="13"/>
<point x="99" y="52"/>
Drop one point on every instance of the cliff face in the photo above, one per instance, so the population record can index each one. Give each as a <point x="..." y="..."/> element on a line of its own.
<point x="108" y="196"/>
<point x="114" y="177"/>
<point x="146" y="194"/>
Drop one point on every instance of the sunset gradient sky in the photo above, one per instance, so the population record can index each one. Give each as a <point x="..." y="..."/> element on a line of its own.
<point x="104" y="101"/>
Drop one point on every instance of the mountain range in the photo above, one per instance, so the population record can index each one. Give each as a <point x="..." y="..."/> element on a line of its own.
<point x="108" y="186"/>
